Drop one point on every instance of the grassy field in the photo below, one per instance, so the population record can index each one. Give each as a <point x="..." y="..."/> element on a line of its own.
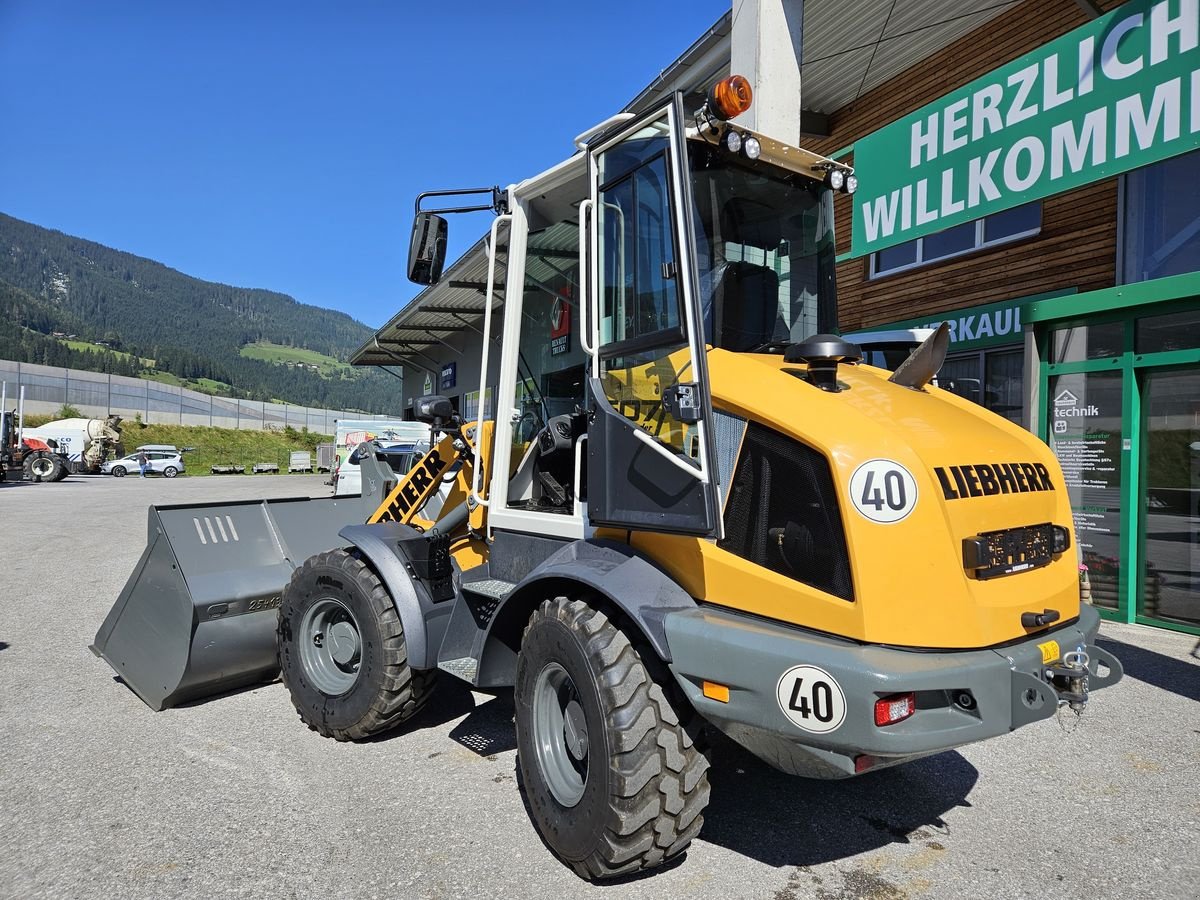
<point x="277" y="353"/>
<point x="216" y="446"/>
<point x="89" y="347"/>
<point x="204" y="385"/>
<point x="224" y="446"/>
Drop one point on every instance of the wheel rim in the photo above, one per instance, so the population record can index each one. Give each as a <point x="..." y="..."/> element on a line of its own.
<point x="169" y="471"/>
<point x="118" y="471"/>
<point x="42" y="467"/>
<point x="330" y="646"/>
<point x="560" y="734"/>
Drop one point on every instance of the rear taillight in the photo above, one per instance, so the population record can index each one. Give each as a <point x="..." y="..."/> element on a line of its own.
<point x="894" y="708"/>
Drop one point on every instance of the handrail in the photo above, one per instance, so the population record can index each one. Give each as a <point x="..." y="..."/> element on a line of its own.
<point x="698" y="473"/>
<point x="483" y="364"/>
<point x="585" y="208"/>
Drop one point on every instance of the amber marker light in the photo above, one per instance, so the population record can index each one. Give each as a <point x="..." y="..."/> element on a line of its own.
<point x="730" y="97"/>
<point x="714" y="691"/>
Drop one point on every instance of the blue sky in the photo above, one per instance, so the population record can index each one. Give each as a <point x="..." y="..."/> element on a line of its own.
<point x="280" y="144"/>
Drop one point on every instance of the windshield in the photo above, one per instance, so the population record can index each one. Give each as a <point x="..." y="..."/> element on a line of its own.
<point x="765" y="252"/>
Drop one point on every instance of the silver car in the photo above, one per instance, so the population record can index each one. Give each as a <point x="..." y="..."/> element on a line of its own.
<point x="161" y="463"/>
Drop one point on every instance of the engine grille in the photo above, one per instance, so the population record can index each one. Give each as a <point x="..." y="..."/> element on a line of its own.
<point x="783" y="513"/>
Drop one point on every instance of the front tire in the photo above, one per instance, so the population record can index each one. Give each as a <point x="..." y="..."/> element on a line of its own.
<point x="118" y="471"/>
<point x="42" y="466"/>
<point x="342" y="653"/>
<point x="613" y="777"/>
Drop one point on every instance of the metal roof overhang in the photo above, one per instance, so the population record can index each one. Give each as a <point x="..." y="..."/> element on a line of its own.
<point x="455" y="304"/>
<point x="849" y="48"/>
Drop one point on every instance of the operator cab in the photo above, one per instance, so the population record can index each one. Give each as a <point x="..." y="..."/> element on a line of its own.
<point x="738" y="254"/>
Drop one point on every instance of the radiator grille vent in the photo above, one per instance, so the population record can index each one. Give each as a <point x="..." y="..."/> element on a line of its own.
<point x="783" y="513"/>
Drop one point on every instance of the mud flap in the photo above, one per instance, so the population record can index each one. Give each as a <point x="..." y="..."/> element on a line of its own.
<point x="197" y="616"/>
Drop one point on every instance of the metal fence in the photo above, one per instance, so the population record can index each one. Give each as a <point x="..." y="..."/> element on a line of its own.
<point x="96" y="395"/>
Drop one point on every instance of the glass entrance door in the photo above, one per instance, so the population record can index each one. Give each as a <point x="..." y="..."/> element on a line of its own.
<point x="1169" y="587"/>
<point x="1086" y="434"/>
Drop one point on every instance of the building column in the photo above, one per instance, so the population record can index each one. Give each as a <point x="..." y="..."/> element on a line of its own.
<point x="766" y="48"/>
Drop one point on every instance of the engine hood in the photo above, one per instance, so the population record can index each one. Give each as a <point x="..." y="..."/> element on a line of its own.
<point x="915" y="473"/>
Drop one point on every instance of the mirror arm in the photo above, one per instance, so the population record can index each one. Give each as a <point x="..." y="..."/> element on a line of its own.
<point x="499" y="204"/>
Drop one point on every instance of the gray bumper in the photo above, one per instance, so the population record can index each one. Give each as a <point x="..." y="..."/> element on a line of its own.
<point x="962" y="696"/>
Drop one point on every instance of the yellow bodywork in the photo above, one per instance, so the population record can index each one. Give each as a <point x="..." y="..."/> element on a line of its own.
<point x="910" y="587"/>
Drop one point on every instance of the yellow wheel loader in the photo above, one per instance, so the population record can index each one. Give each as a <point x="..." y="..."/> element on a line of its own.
<point x="705" y="512"/>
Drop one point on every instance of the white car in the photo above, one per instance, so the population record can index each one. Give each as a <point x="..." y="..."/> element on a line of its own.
<point x="162" y="462"/>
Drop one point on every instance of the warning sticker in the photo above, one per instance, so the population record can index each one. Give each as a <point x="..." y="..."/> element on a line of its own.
<point x="1050" y="651"/>
<point x="811" y="698"/>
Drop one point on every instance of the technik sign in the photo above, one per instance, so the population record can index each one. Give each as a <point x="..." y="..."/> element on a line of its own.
<point x="1116" y="94"/>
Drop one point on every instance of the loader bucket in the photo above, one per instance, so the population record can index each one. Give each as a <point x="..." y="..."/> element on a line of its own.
<point x="197" y="616"/>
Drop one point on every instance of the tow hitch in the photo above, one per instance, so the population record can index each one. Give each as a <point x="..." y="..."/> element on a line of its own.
<point x="1064" y="683"/>
<point x="1070" y="678"/>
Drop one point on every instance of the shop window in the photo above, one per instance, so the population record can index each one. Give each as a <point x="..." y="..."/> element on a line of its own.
<point x="1161" y="226"/>
<point x="992" y="378"/>
<point x="1076" y="343"/>
<point x="998" y="228"/>
<point x="1174" y="331"/>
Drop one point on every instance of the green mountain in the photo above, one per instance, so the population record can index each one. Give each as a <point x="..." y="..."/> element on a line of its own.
<point x="192" y="329"/>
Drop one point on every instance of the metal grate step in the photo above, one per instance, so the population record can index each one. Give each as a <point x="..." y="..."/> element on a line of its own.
<point x="490" y="587"/>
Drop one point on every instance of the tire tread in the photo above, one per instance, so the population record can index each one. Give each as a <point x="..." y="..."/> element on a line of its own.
<point x="403" y="691"/>
<point x="660" y="783"/>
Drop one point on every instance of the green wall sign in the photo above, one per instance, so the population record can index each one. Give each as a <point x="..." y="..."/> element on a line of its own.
<point x="1118" y="93"/>
<point x="976" y="327"/>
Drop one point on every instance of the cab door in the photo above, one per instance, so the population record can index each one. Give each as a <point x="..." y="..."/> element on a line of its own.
<point x="649" y="431"/>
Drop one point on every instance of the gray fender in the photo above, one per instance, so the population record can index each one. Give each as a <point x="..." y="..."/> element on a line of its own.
<point x="378" y="543"/>
<point x="613" y="571"/>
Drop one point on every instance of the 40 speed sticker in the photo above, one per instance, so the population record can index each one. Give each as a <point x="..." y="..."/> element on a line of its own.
<point x="883" y="491"/>
<point x="811" y="698"/>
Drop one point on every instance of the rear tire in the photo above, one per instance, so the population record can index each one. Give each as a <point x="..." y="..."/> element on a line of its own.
<point x="613" y="777"/>
<point x="170" y="472"/>
<point x="342" y="652"/>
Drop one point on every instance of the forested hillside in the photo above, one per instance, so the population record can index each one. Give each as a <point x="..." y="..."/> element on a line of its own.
<point x="52" y="282"/>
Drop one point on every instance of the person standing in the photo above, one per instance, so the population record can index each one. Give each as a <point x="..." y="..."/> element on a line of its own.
<point x="143" y="462"/>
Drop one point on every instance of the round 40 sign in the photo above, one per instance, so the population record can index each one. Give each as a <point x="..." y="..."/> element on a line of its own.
<point x="811" y="698"/>
<point x="883" y="491"/>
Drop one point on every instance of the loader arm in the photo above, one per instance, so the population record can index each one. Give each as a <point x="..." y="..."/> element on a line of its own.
<point x="414" y="491"/>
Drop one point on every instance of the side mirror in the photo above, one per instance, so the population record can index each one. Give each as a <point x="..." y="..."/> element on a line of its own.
<point x="427" y="250"/>
<point x="433" y="410"/>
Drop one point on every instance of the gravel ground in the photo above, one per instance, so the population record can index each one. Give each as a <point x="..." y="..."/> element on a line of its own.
<point x="100" y="797"/>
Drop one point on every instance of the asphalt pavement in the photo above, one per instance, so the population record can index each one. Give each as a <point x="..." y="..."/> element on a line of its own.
<point x="234" y="797"/>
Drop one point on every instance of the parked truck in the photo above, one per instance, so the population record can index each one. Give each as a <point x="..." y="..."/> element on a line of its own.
<point x="24" y="456"/>
<point x="737" y="527"/>
<point x="86" y="443"/>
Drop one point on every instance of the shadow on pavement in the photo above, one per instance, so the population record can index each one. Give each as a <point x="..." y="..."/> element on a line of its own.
<point x="489" y="729"/>
<point x="3" y="645"/>
<point x="450" y="700"/>
<point x="782" y="820"/>
<point x="1165" y="672"/>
